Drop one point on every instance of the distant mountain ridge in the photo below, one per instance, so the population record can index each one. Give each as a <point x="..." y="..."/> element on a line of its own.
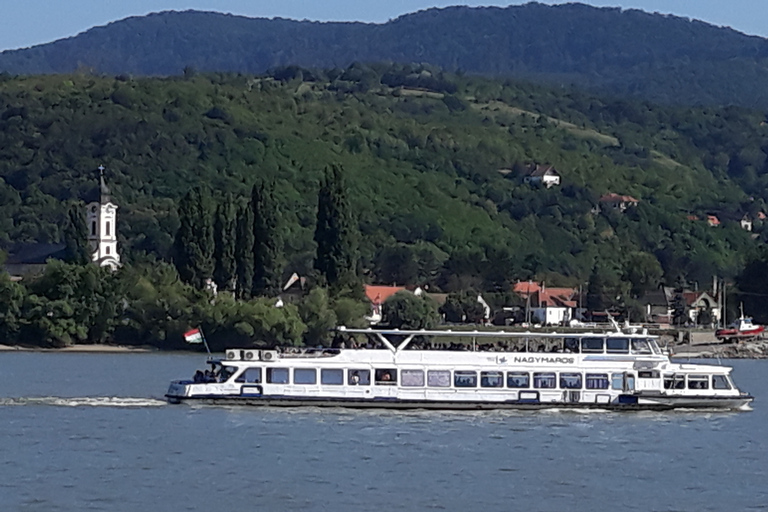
<point x="622" y="52"/>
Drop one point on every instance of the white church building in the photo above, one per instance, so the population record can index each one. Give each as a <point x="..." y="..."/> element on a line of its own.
<point x="101" y="220"/>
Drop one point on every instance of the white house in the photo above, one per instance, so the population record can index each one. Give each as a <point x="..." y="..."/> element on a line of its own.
<point x="546" y="175"/>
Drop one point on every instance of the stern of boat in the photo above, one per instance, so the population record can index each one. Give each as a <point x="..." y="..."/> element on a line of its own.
<point x="177" y="391"/>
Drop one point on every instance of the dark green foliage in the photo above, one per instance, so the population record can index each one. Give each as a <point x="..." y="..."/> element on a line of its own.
<point x="225" y="239"/>
<point x="752" y="284"/>
<point x="404" y="310"/>
<point x="463" y="307"/>
<point x="76" y="235"/>
<point x="244" y="253"/>
<point x="70" y="304"/>
<point x="267" y="241"/>
<point x="336" y="232"/>
<point x="194" y="243"/>
<point x="11" y="300"/>
<point x="622" y="52"/>
<point x="422" y="180"/>
<point x="318" y="315"/>
<point x="680" y="308"/>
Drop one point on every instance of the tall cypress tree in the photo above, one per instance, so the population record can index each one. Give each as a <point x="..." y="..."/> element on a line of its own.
<point x="336" y="233"/>
<point x="225" y="237"/>
<point x="193" y="246"/>
<point x="76" y="235"/>
<point x="244" y="253"/>
<point x="267" y="240"/>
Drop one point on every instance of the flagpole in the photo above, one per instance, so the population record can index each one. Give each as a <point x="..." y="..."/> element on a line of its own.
<point x="207" y="348"/>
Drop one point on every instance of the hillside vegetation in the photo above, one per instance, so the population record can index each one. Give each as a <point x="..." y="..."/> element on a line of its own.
<point x="621" y="52"/>
<point x="422" y="151"/>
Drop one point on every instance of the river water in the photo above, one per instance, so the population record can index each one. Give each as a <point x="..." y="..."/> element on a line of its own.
<point x="91" y="432"/>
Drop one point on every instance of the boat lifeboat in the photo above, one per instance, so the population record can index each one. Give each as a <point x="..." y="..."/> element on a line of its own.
<point x="741" y="330"/>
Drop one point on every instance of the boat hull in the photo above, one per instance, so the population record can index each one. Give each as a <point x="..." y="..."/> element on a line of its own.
<point x="628" y="403"/>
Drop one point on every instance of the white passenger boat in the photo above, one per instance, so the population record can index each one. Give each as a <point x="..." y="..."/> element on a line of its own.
<point x="606" y="371"/>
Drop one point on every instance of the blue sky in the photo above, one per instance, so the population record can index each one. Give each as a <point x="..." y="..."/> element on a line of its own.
<point x="29" y="22"/>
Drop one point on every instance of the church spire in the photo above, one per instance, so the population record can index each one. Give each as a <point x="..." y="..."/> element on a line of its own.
<point x="104" y="193"/>
<point x="101" y="216"/>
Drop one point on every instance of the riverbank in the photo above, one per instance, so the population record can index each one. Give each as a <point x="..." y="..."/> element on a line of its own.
<point x="745" y="350"/>
<point x="98" y="348"/>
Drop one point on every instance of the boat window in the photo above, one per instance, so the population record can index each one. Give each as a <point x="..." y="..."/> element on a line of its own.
<point x="648" y="374"/>
<point x="617" y="345"/>
<point x="331" y="377"/>
<point x="305" y="376"/>
<point x="518" y="380"/>
<point x="250" y="376"/>
<point x="277" y="375"/>
<point x="359" y="377"/>
<point x="544" y="380"/>
<point x="465" y="379"/>
<point x="720" y="382"/>
<point x="571" y="345"/>
<point x="592" y="345"/>
<point x="570" y="381"/>
<point x="640" y="346"/>
<point x="630" y="381"/>
<point x="385" y="376"/>
<point x="698" y="382"/>
<point x="412" y="378"/>
<point x="597" y="381"/>
<point x="439" y="378"/>
<point x="674" y="381"/>
<point x="491" y="379"/>
<point x="617" y="381"/>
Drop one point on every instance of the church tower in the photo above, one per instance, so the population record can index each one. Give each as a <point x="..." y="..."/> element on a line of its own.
<point x="101" y="218"/>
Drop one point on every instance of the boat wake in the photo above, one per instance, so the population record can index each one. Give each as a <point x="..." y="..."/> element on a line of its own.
<point x="88" y="401"/>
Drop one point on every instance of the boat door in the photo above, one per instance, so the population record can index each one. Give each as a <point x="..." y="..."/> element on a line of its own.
<point x="629" y="382"/>
<point x="623" y="382"/>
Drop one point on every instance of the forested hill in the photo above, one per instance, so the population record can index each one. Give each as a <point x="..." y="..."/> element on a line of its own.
<point x="435" y="165"/>
<point x="623" y="52"/>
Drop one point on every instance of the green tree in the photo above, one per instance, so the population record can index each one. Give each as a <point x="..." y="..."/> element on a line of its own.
<point x="76" y="235"/>
<point x="336" y="233"/>
<point x="267" y="241"/>
<point x="463" y="307"/>
<point x="679" y="308"/>
<point x="225" y="237"/>
<point x="643" y="272"/>
<point x="71" y="304"/>
<point x="11" y="300"/>
<point x="404" y="310"/>
<point x="318" y="315"/>
<point x="244" y="253"/>
<point x="193" y="245"/>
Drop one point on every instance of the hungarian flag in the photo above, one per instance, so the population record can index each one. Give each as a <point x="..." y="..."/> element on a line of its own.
<point x="193" y="336"/>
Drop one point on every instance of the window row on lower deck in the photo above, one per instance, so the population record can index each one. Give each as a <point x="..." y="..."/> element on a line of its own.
<point x="415" y="378"/>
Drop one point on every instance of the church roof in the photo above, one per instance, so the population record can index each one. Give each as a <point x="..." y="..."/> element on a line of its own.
<point x="34" y="253"/>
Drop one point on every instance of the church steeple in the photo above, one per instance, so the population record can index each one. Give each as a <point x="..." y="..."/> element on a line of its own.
<point x="104" y="193"/>
<point x="101" y="216"/>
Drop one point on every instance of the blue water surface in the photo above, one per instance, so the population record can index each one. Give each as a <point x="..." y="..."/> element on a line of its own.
<point x="91" y="432"/>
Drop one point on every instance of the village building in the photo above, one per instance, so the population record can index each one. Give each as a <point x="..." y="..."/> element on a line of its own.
<point x="618" y="202"/>
<point x="660" y="306"/>
<point x="101" y="220"/>
<point x="545" y="175"/>
<point x="548" y="306"/>
<point x="29" y="259"/>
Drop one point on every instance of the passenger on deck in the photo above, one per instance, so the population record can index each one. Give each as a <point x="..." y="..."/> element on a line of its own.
<point x="199" y="377"/>
<point x="355" y="379"/>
